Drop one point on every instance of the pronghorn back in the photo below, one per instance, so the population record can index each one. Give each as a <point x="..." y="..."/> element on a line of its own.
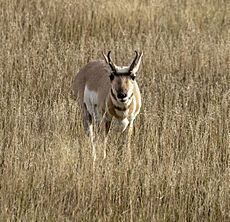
<point x="92" y="86"/>
<point x="94" y="76"/>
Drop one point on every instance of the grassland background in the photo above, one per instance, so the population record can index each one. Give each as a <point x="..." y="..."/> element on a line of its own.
<point x="181" y="146"/>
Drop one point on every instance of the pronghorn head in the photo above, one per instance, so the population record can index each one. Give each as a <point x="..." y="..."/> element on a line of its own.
<point x="123" y="78"/>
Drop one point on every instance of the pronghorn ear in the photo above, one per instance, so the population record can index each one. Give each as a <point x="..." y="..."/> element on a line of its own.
<point x="136" y="67"/>
<point x="111" y="77"/>
<point x="133" y="76"/>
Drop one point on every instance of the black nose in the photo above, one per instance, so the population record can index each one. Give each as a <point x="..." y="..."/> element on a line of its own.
<point x="121" y="95"/>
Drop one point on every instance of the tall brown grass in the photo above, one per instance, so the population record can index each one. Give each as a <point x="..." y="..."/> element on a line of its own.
<point x="180" y="169"/>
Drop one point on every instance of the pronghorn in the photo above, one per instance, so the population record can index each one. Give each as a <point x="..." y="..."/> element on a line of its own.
<point x="106" y="91"/>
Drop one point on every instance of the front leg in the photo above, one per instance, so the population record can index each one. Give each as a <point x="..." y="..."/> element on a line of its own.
<point x="107" y="127"/>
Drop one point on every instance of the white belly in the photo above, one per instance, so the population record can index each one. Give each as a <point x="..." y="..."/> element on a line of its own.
<point x="91" y="102"/>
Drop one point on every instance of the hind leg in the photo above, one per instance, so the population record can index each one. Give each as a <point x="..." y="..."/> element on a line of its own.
<point x="88" y="126"/>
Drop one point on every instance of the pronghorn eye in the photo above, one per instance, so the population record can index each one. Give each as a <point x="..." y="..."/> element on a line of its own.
<point x="132" y="77"/>
<point x="111" y="77"/>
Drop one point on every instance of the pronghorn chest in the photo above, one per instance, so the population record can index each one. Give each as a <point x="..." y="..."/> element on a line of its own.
<point x="122" y="118"/>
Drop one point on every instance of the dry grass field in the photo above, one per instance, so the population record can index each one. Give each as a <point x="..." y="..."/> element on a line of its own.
<point x="180" y="168"/>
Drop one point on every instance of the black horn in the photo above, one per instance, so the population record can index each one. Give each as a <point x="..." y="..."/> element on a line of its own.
<point x="133" y="63"/>
<point x="111" y="64"/>
<point x="109" y="56"/>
